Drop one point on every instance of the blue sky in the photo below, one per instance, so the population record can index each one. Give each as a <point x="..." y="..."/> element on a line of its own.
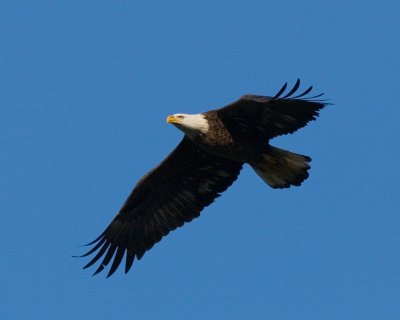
<point x="86" y="87"/>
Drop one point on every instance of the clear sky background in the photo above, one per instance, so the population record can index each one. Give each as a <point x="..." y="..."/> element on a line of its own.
<point x="85" y="90"/>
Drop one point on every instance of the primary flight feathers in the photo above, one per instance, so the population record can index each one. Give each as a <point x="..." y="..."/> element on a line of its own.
<point x="206" y="162"/>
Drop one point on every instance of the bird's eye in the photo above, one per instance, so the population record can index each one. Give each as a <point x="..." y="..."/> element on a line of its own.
<point x="181" y="117"/>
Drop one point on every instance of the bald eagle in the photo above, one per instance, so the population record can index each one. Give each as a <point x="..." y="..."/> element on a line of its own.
<point x="205" y="163"/>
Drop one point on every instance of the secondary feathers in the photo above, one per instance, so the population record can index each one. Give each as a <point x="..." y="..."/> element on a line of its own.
<point x="205" y="163"/>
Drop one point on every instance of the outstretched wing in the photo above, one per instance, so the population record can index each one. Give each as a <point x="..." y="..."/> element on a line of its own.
<point x="266" y="117"/>
<point x="171" y="194"/>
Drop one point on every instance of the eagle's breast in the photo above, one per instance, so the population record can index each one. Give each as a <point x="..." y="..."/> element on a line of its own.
<point x="219" y="141"/>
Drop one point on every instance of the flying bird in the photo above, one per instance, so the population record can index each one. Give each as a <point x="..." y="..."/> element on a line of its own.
<point x="215" y="146"/>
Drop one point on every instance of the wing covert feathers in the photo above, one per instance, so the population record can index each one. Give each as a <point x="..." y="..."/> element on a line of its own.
<point x="176" y="191"/>
<point x="168" y="196"/>
<point x="265" y="117"/>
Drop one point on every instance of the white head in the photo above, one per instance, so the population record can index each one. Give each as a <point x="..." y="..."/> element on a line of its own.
<point x="191" y="124"/>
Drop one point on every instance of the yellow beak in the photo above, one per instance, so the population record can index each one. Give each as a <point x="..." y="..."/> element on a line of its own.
<point x="171" y="119"/>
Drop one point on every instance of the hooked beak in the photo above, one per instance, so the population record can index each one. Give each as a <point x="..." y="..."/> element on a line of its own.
<point x="172" y="119"/>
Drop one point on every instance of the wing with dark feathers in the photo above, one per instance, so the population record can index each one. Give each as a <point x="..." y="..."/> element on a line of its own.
<point x="265" y="117"/>
<point x="171" y="194"/>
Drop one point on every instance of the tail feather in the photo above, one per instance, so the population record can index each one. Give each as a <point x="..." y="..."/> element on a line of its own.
<point x="282" y="169"/>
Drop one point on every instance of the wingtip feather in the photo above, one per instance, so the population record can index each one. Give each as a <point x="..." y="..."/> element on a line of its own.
<point x="282" y="90"/>
<point x="293" y="90"/>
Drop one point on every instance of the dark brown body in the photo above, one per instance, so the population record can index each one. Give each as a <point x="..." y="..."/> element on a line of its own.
<point x="221" y="142"/>
<point x="203" y="166"/>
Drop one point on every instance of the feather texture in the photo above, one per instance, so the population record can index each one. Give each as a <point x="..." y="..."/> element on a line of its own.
<point x="171" y="194"/>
